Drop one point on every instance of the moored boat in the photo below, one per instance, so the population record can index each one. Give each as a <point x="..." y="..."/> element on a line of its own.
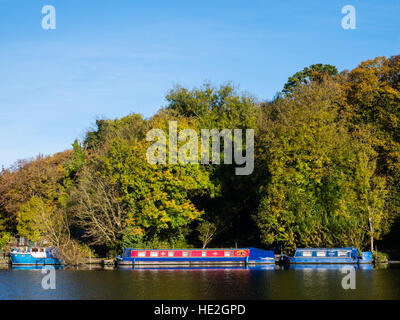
<point x="347" y="255"/>
<point x="35" y="256"/>
<point x="195" y="256"/>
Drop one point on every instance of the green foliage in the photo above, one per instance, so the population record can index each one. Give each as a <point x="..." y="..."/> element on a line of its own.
<point x="158" y="196"/>
<point x="223" y="107"/>
<point x="4" y="239"/>
<point x="206" y="231"/>
<point x="321" y="188"/>
<point x="217" y="108"/>
<point x="156" y="243"/>
<point x="314" y="72"/>
<point x="28" y="218"/>
<point x="327" y="172"/>
<point x="149" y="201"/>
<point x="373" y="97"/>
<point x="380" y="257"/>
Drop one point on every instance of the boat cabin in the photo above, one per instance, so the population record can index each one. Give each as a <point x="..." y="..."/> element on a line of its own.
<point x="351" y="253"/>
<point x="328" y="255"/>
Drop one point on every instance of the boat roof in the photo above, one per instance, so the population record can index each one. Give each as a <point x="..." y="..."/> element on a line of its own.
<point x="324" y="249"/>
<point x="189" y="249"/>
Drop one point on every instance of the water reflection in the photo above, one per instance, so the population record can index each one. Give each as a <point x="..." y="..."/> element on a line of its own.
<point x="322" y="267"/>
<point x="161" y="268"/>
<point x="36" y="267"/>
<point x="194" y="268"/>
<point x="203" y="282"/>
<point x="264" y="267"/>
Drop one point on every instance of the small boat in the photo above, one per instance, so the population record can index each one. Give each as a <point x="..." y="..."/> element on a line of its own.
<point x="328" y="255"/>
<point x="35" y="256"/>
<point x="132" y="256"/>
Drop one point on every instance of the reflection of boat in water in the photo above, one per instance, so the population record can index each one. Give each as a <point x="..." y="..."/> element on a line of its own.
<point x="328" y="256"/>
<point x="35" y="267"/>
<point x="180" y="267"/>
<point x="177" y="268"/>
<point x="244" y="256"/>
<point x="263" y="267"/>
<point x="35" y="256"/>
<point x="322" y="267"/>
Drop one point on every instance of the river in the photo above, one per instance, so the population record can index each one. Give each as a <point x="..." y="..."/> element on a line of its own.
<point x="262" y="282"/>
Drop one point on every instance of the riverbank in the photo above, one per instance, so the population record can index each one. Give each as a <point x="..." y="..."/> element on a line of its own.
<point x="99" y="261"/>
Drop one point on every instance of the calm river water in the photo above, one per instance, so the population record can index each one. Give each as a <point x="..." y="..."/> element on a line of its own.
<point x="263" y="282"/>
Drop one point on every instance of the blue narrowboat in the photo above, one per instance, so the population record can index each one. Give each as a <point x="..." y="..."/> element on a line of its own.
<point x="328" y="255"/>
<point x="132" y="256"/>
<point x="35" y="256"/>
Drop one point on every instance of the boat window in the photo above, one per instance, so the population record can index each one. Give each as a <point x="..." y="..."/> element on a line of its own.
<point x="185" y="253"/>
<point x="227" y="254"/>
<point x="321" y="254"/>
<point x="204" y="254"/>
<point x="154" y="254"/>
<point x="34" y="250"/>
<point x="307" y="254"/>
<point x="141" y="254"/>
<point x="170" y="254"/>
<point x="342" y="253"/>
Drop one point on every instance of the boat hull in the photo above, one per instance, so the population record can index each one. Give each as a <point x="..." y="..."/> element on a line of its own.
<point x="27" y="259"/>
<point x="186" y="261"/>
<point x="294" y="260"/>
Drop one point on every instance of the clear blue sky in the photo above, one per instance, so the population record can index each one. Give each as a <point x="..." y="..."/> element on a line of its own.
<point x="112" y="58"/>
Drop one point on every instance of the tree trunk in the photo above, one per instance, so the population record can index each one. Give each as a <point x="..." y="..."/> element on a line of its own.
<point x="371" y="230"/>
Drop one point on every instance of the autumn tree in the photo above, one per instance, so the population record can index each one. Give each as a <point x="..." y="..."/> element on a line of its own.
<point x="315" y="72"/>
<point x="223" y="107"/>
<point x="125" y="199"/>
<point x="206" y="231"/>
<point x="39" y="178"/>
<point x="311" y="195"/>
<point x="97" y="208"/>
<point x="373" y="96"/>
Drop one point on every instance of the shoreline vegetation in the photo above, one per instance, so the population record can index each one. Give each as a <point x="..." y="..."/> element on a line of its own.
<point x="326" y="174"/>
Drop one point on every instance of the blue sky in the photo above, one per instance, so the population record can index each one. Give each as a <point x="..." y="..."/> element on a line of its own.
<point x="112" y="58"/>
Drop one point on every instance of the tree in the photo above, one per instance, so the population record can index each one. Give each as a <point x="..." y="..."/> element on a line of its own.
<point x="373" y="97"/>
<point x="223" y="107"/>
<point x="122" y="198"/>
<point x="312" y="73"/>
<point x="41" y="221"/>
<point x="40" y="178"/>
<point x="213" y="107"/>
<point x="372" y="193"/>
<point x="311" y="190"/>
<point x="4" y="239"/>
<point x="98" y="209"/>
<point x="206" y="231"/>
